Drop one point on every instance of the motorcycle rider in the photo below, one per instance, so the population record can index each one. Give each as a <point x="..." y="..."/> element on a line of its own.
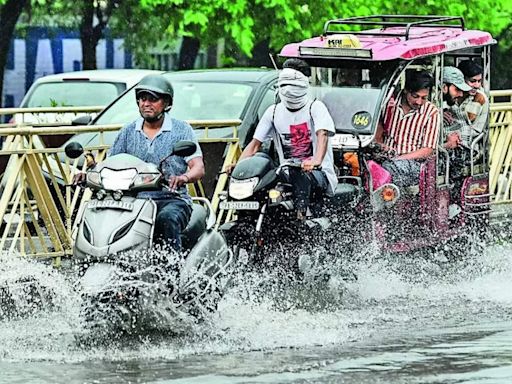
<point x="150" y="138"/>
<point x="301" y="129"/>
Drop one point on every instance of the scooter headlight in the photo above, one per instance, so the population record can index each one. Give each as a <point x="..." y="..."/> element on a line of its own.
<point x="242" y="189"/>
<point x="117" y="179"/>
<point x="145" y="179"/>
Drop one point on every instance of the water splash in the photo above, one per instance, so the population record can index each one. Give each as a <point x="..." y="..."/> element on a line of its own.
<point x="261" y="312"/>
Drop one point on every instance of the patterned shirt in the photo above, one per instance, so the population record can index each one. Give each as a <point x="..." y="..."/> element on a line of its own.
<point x="409" y="132"/>
<point x="132" y="140"/>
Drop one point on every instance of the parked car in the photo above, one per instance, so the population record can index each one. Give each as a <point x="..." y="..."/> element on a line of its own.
<point x="75" y="89"/>
<point x="211" y="94"/>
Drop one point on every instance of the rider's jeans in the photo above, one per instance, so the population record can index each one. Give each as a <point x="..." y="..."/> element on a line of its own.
<point x="171" y="219"/>
<point x="305" y="186"/>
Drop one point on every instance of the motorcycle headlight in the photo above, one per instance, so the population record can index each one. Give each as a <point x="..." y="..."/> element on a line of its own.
<point x="242" y="189"/>
<point x="145" y="179"/>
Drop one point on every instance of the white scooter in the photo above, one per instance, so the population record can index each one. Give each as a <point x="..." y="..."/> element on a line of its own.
<point x="125" y="280"/>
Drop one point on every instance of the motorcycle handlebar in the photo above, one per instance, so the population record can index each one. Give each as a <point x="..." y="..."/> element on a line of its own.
<point x="297" y="164"/>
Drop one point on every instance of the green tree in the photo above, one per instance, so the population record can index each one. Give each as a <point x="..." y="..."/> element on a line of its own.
<point x="269" y="24"/>
<point x="90" y="17"/>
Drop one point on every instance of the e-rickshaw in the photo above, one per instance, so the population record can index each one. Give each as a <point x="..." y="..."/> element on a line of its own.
<point x="357" y="74"/>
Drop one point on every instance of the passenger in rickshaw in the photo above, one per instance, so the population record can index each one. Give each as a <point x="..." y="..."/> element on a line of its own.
<point x="463" y="106"/>
<point x="471" y="108"/>
<point x="456" y="126"/>
<point x="410" y="129"/>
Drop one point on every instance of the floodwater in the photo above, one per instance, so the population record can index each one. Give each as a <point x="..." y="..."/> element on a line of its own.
<point x="414" y="322"/>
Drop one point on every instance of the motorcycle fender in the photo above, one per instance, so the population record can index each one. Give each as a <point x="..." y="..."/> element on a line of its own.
<point x="208" y="256"/>
<point x="97" y="278"/>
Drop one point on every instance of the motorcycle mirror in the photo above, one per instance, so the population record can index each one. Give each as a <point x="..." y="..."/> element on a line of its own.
<point x="181" y="148"/>
<point x="184" y="148"/>
<point x="74" y="150"/>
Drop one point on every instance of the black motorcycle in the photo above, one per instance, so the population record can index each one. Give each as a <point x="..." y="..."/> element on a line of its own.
<point x="265" y="220"/>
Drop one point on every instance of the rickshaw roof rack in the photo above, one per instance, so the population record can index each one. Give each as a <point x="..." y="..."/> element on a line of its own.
<point x="393" y="21"/>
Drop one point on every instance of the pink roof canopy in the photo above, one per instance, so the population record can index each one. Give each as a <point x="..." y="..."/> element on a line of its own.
<point x="395" y="40"/>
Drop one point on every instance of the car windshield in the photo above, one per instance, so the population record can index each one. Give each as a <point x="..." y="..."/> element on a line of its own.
<point x="352" y="95"/>
<point x="74" y="94"/>
<point x="193" y="100"/>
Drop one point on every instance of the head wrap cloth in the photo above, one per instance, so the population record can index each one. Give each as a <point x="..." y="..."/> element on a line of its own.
<point x="293" y="88"/>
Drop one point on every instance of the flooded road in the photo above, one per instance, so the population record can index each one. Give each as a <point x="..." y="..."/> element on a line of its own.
<point x="388" y="326"/>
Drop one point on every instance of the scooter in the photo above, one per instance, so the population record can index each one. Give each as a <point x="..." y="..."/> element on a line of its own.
<point x="126" y="280"/>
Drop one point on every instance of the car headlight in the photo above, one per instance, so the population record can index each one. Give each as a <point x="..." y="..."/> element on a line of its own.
<point x="145" y="179"/>
<point x="242" y="189"/>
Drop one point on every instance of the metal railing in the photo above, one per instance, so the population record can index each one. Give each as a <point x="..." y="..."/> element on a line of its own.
<point x="40" y="210"/>
<point x="500" y="137"/>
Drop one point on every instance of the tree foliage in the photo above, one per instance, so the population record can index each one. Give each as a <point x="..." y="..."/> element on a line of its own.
<point x="248" y="21"/>
<point x="246" y="25"/>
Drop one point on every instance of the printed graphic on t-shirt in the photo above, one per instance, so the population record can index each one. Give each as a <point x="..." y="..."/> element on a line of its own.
<point x="297" y="144"/>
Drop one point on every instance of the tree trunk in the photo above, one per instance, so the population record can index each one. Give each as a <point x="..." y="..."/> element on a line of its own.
<point x="87" y="35"/>
<point x="9" y="14"/>
<point x="260" y="55"/>
<point x="188" y="53"/>
<point x="91" y="34"/>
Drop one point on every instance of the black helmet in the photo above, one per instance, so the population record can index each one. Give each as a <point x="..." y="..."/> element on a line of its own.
<point x="155" y="84"/>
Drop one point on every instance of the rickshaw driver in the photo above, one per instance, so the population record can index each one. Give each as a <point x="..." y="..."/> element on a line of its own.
<point x="410" y="129"/>
<point x="301" y="129"/>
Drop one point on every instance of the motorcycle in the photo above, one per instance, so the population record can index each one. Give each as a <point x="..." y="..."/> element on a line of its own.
<point x="127" y="281"/>
<point x="264" y="215"/>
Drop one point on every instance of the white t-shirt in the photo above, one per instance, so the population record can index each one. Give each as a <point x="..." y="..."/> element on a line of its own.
<point x="297" y="133"/>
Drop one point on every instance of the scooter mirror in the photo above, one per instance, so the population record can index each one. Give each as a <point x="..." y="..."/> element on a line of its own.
<point x="74" y="150"/>
<point x="184" y="148"/>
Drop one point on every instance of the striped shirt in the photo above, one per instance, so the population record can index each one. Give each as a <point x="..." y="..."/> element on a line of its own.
<point x="409" y="132"/>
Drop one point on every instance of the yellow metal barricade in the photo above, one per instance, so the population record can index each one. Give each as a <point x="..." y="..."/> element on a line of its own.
<point x="500" y="135"/>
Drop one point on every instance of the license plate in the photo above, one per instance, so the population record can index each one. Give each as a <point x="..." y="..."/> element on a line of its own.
<point x="239" y="205"/>
<point x="110" y="204"/>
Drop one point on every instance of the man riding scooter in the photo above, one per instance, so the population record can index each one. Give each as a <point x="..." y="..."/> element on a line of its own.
<point x="301" y="130"/>
<point x="150" y="138"/>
